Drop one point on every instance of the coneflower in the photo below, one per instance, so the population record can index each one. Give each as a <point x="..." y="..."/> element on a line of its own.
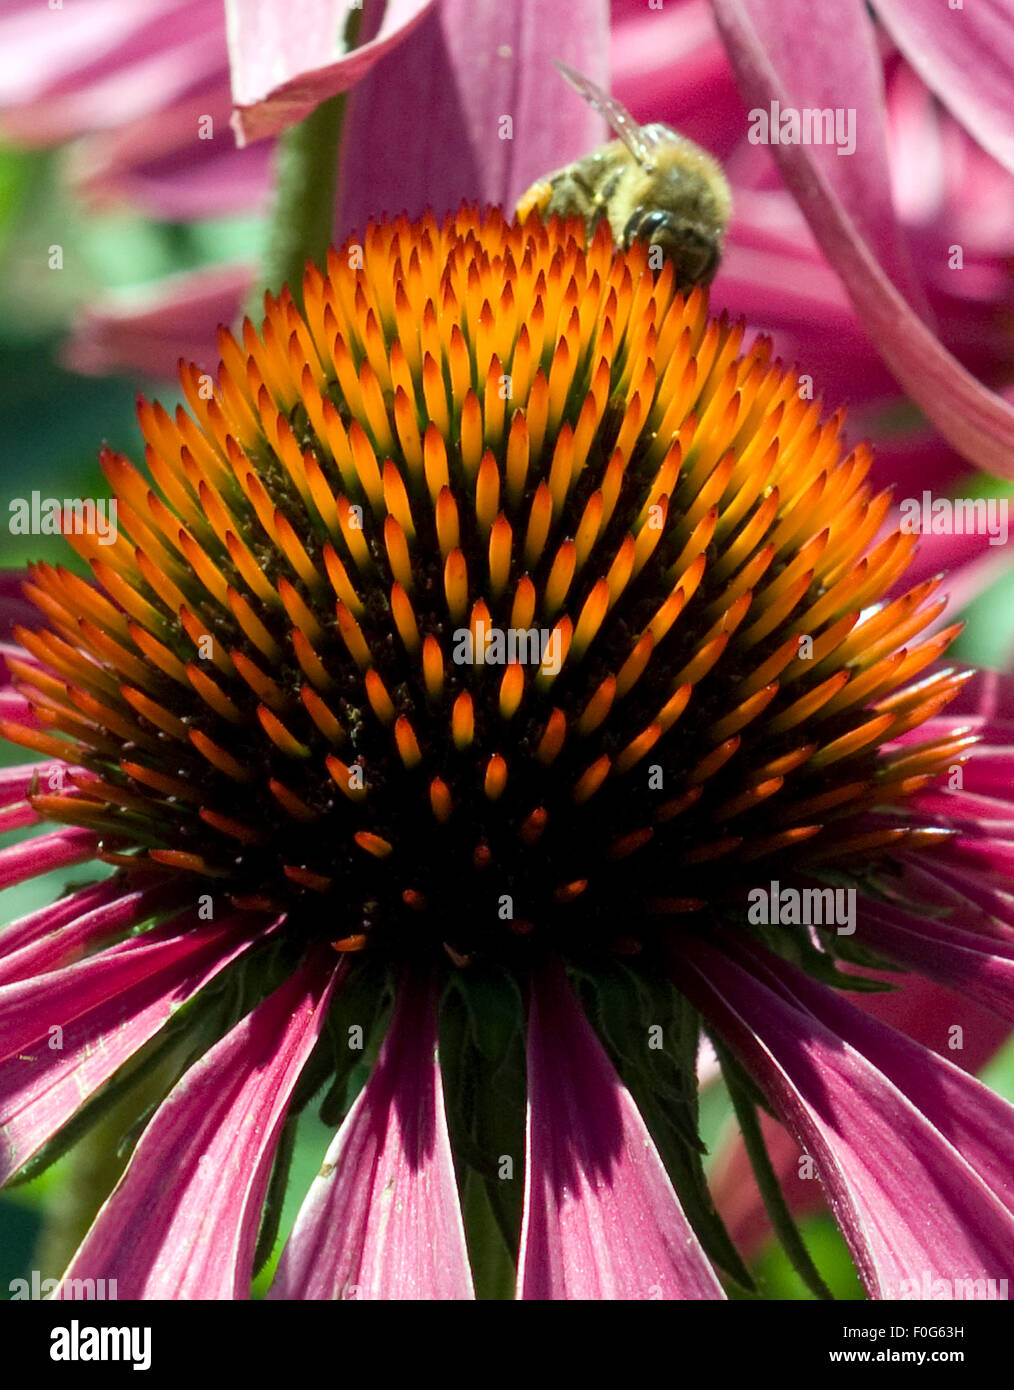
<point x="499" y="619"/>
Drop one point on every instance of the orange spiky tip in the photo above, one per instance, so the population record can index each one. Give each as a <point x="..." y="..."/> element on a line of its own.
<point x="502" y="597"/>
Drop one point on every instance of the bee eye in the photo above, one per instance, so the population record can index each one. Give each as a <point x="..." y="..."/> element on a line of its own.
<point x="644" y="223"/>
<point x="694" y="255"/>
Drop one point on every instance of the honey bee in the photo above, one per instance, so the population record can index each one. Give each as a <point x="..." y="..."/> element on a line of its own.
<point x="651" y="183"/>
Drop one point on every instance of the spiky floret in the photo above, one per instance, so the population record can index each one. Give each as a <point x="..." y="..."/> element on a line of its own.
<point x="483" y="423"/>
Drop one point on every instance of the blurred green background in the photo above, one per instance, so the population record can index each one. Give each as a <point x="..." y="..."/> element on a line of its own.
<point x="51" y="424"/>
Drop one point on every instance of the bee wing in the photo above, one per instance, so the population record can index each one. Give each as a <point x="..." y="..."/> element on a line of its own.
<point x="638" y="139"/>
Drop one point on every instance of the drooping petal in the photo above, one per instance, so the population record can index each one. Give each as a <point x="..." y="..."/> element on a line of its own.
<point x="182" y="1222"/>
<point x="56" y="935"/>
<point x="830" y="67"/>
<point x="15" y="782"/>
<point x="775" y="53"/>
<point x="922" y="1011"/>
<point x="60" y="850"/>
<point x="601" y="1219"/>
<point x="471" y="66"/>
<point x="104" y="1008"/>
<point x="152" y="164"/>
<point x="100" y="63"/>
<point x="911" y="1151"/>
<point x="382" y="1219"/>
<point x="287" y="56"/>
<point x="956" y="958"/>
<point x="50" y="918"/>
<point x="966" y="58"/>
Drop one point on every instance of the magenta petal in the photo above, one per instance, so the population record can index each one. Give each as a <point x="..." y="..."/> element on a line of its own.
<point x="105" y="1007"/>
<point x="287" y="56"/>
<point x="26" y="930"/>
<point x="147" y="331"/>
<point x="966" y="57"/>
<point x="910" y="1150"/>
<point x="601" y="1218"/>
<point x="773" y="50"/>
<point x="15" y="608"/>
<point x="922" y="1011"/>
<point x="182" y="1222"/>
<point x="382" y="1219"/>
<point x="960" y="960"/>
<point x="58" y="943"/>
<point x="975" y="1120"/>
<point x="827" y="66"/>
<point x="60" y="850"/>
<point x="16" y="781"/>
<point x="423" y="130"/>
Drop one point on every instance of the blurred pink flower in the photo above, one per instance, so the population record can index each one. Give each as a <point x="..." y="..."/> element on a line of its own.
<point x="130" y="84"/>
<point x="148" y="91"/>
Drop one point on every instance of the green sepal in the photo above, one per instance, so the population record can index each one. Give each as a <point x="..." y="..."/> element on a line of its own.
<point x="491" y="1263"/>
<point x="482" y="1063"/>
<point x="364" y="1001"/>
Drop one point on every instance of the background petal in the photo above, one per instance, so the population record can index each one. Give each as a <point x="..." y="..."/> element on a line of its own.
<point x="768" y="54"/>
<point x="423" y="129"/>
<point x="965" y="55"/>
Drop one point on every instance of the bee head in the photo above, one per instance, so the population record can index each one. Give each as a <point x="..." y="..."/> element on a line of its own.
<point x="694" y="253"/>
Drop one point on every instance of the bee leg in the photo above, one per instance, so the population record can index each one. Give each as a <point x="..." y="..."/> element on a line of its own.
<point x="536" y="199"/>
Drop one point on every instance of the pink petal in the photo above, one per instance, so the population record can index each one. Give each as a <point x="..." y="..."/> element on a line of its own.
<point x="59" y="943"/>
<point x="423" y="129"/>
<point x="287" y="56"/>
<point x="107" y="1006"/>
<point x="147" y="331"/>
<point x="969" y="561"/>
<point x="14" y="607"/>
<point x="382" y="1219"/>
<point x="912" y="1152"/>
<point x="15" y="781"/>
<point x="155" y="164"/>
<point x="960" y="960"/>
<point x="60" y="850"/>
<point x="601" y="1218"/>
<point x="99" y="64"/>
<point x="966" y="57"/>
<point x="922" y="1011"/>
<point x="182" y="1222"/>
<point x="778" y="55"/>
<point x="831" y="66"/>
<point x="669" y="65"/>
<point x="26" y="930"/>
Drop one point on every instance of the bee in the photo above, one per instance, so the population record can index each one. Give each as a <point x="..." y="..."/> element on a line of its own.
<point x="651" y="184"/>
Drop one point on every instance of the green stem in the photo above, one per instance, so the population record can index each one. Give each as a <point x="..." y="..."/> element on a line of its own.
<point x="767" y="1179"/>
<point x="300" y="228"/>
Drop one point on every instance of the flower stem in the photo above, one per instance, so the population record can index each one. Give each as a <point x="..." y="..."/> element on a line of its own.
<point x="301" y="223"/>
